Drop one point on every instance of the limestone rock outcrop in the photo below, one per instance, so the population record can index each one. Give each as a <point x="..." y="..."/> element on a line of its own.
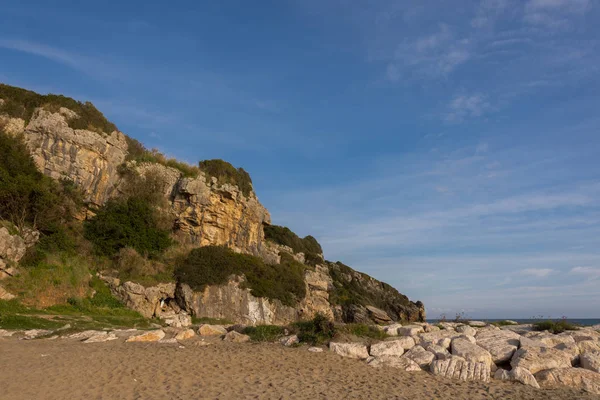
<point x="574" y="377"/>
<point x="536" y="359"/>
<point x="350" y="350"/>
<point x="460" y="369"/>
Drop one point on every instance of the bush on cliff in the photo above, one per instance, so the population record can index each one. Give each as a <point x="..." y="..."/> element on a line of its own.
<point x="284" y="236"/>
<point x="21" y="103"/>
<point x="124" y="223"/>
<point x="227" y="173"/>
<point x="212" y="265"/>
<point x="136" y="151"/>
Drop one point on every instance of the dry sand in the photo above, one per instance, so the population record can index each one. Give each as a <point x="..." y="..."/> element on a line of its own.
<point x="66" y="369"/>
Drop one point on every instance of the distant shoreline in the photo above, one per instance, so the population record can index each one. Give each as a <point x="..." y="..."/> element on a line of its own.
<point x="576" y="321"/>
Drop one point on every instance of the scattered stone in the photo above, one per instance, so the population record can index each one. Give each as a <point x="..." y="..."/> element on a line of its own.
<point x="315" y="349"/>
<point x="236" y="337"/>
<point x="536" y="359"/>
<point x="168" y="341"/>
<point x="211" y="330"/>
<point x="403" y="363"/>
<point x="586" y="334"/>
<point x="478" y="324"/>
<point x="578" y="378"/>
<point x="430" y="328"/>
<point x="153" y="336"/>
<point x="468" y="338"/>
<point x="520" y="329"/>
<point x="392" y="330"/>
<point x="410" y="330"/>
<point x="125" y="333"/>
<point x="5" y="333"/>
<point x="350" y="350"/>
<point x="591" y="361"/>
<point x="406" y="342"/>
<point x="185" y="334"/>
<point x="388" y="348"/>
<point x="441" y="338"/>
<point x="35" y="333"/>
<point x="466" y="329"/>
<point x="85" y="335"/>
<point x="459" y="369"/>
<point x="517" y="375"/>
<point x="471" y="352"/>
<point x="500" y="344"/>
<point x="419" y="355"/>
<point x="101" y="337"/>
<point x="179" y="320"/>
<point x="289" y="340"/>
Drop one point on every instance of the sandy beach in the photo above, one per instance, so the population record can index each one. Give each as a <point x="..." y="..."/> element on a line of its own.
<point x="67" y="369"/>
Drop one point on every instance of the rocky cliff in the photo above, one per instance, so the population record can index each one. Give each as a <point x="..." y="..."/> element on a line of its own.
<point x="204" y="212"/>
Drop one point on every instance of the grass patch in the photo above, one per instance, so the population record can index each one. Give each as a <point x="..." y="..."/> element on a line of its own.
<point x="264" y="333"/>
<point x="363" y="331"/>
<point x="555" y="326"/>
<point x="284" y="236"/>
<point x="26" y="322"/>
<point x="213" y="265"/>
<point x="136" y="151"/>
<point x="319" y="330"/>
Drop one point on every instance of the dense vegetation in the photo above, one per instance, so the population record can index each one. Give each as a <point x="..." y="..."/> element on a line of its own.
<point x="319" y="330"/>
<point x="136" y="151"/>
<point x="21" y="103"/>
<point x="284" y="236"/>
<point x="554" y="326"/>
<point x="227" y="173"/>
<point x="212" y="265"/>
<point x="125" y="223"/>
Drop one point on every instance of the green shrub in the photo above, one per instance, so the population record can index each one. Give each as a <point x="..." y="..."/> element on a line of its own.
<point x="21" y="103"/>
<point x="264" y="333"/>
<point x="127" y="223"/>
<point x="212" y="265"/>
<point x="554" y="326"/>
<point x="227" y="173"/>
<point x="319" y="330"/>
<point x="284" y="236"/>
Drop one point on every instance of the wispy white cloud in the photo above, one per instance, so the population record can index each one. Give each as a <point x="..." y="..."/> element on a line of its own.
<point x="465" y="106"/>
<point x="588" y="272"/>
<point x="554" y="13"/>
<point x="52" y="53"/>
<point x="537" y="272"/>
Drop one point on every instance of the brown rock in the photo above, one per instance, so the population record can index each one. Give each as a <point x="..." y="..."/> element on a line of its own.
<point x="185" y="334"/>
<point x="211" y="330"/>
<point x="153" y="336"/>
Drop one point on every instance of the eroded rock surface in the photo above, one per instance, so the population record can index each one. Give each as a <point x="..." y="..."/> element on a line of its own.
<point x="574" y="377"/>
<point x="535" y="359"/>
<point x="460" y="369"/>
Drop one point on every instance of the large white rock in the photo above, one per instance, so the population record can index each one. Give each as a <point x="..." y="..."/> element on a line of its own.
<point x="410" y="330"/>
<point x="524" y="341"/>
<point x="572" y="350"/>
<point x="211" y="330"/>
<point x="406" y="342"/>
<point x="405" y="364"/>
<point x="517" y="375"/>
<point x="392" y="330"/>
<point x="460" y="369"/>
<point x="388" y="348"/>
<point x="441" y="353"/>
<point x="237" y="337"/>
<point x="421" y="356"/>
<point x="471" y="352"/>
<point x="466" y="330"/>
<point x="350" y="350"/>
<point x="101" y="337"/>
<point x="591" y="361"/>
<point x="500" y="344"/>
<point x="441" y="338"/>
<point x="573" y="377"/>
<point x="587" y="346"/>
<point x="535" y="359"/>
<point x="477" y="324"/>
<point x="185" y="334"/>
<point x="152" y="336"/>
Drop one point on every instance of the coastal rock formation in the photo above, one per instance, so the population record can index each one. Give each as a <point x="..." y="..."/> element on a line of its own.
<point x="574" y="377"/>
<point x="517" y="374"/>
<point x="152" y="336"/>
<point x="149" y="301"/>
<point x="500" y="344"/>
<point x="13" y="246"/>
<point x="471" y="352"/>
<point x="350" y="350"/>
<point x="405" y="364"/>
<point x="591" y="361"/>
<point x="391" y="348"/>
<point x="460" y="369"/>
<point x="419" y="355"/>
<point x="536" y="359"/>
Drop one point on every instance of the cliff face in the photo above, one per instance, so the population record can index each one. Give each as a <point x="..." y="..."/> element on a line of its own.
<point x="204" y="212"/>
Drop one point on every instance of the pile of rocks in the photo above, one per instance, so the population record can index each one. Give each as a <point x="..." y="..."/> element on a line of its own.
<point x="478" y="351"/>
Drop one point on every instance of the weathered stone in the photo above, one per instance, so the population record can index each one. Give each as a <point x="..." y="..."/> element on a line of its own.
<point x="5" y="333"/>
<point x="586" y="334"/>
<point x="388" y="348"/>
<point x="101" y="337"/>
<point x="466" y="329"/>
<point x="591" y="361"/>
<point x="185" y="334"/>
<point x="211" y="330"/>
<point x="517" y="374"/>
<point x="378" y="316"/>
<point x="235" y="337"/>
<point x="5" y="295"/>
<point x="410" y="330"/>
<point x="392" y="330"/>
<point x="168" y="341"/>
<point x="35" y="333"/>
<point x="471" y="352"/>
<point x="459" y="369"/>
<point x="441" y="353"/>
<point x="477" y="324"/>
<point x="152" y="336"/>
<point x="442" y="338"/>
<point x="85" y="334"/>
<point x="178" y="320"/>
<point x="290" y="340"/>
<point x="520" y="329"/>
<point x="350" y="350"/>
<point x="403" y="363"/>
<point x="527" y="342"/>
<point x="430" y="328"/>
<point x="153" y="301"/>
<point x="421" y="356"/>
<point x="586" y="346"/>
<point x="468" y="338"/>
<point x="572" y="350"/>
<point x="315" y="349"/>
<point x="500" y="344"/>
<point x="573" y="377"/>
<point x="406" y="342"/>
<point x="535" y="359"/>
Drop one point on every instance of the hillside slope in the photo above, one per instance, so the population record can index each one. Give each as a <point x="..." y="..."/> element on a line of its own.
<point x="262" y="274"/>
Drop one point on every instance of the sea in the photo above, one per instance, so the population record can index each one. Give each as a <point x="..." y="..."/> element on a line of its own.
<point x="581" y="322"/>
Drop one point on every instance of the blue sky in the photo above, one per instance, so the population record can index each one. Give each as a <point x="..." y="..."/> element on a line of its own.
<point x="452" y="151"/>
